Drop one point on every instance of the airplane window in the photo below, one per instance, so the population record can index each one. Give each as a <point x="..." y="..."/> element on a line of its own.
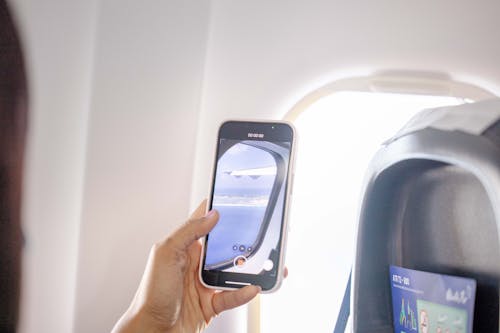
<point x="338" y="135"/>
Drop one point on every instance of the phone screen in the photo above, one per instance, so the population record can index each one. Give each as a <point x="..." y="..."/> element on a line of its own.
<point x="250" y="194"/>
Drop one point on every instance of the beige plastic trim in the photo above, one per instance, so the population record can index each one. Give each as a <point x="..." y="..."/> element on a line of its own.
<point x="419" y="83"/>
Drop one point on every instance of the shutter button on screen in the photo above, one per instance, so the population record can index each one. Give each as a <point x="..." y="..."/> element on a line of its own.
<point x="240" y="261"/>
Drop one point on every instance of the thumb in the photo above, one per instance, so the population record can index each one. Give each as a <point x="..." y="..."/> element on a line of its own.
<point x="226" y="300"/>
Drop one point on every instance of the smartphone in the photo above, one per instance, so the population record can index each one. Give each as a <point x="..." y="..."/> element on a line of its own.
<point x="251" y="188"/>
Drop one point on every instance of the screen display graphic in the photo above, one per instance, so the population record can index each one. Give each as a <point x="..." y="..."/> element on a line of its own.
<point x="249" y="193"/>
<point x="431" y="303"/>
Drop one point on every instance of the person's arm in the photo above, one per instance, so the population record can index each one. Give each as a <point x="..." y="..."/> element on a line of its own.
<point x="170" y="297"/>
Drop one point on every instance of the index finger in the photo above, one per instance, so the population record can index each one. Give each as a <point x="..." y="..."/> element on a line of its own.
<point x="194" y="228"/>
<point x="199" y="211"/>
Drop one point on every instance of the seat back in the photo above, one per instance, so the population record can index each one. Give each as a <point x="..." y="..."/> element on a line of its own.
<point x="432" y="203"/>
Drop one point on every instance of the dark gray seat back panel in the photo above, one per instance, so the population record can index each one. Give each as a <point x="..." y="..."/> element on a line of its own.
<point x="432" y="203"/>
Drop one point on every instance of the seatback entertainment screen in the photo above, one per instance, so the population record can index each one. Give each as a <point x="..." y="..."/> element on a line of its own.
<point x="431" y="303"/>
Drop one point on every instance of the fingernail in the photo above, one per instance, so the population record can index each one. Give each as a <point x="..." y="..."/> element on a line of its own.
<point x="210" y="213"/>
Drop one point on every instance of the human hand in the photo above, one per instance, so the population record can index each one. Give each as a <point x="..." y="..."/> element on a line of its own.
<point x="170" y="297"/>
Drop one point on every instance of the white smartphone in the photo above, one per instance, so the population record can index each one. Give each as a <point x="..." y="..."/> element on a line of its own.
<point x="251" y="187"/>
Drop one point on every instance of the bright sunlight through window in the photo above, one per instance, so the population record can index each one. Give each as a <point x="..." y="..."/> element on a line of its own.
<point x="338" y="135"/>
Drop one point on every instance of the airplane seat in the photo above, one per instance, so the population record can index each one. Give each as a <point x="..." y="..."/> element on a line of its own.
<point x="431" y="202"/>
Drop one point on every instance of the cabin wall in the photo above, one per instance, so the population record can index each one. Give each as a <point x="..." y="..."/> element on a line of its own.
<point x="148" y="69"/>
<point x="263" y="56"/>
<point x="115" y="89"/>
<point x="58" y="40"/>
